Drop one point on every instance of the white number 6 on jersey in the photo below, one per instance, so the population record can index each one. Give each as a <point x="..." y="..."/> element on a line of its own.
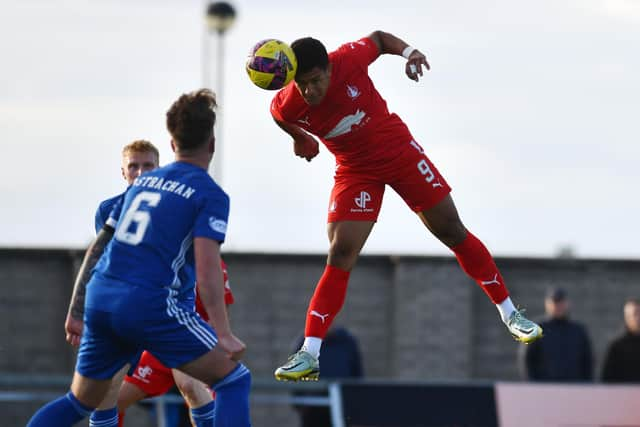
<point x="141" y="218"/>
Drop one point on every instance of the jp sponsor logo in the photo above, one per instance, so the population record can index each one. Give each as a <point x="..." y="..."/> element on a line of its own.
<point x="361" y="202"/>
<point x="363" y="199"/>
<point x="143" y="372"/>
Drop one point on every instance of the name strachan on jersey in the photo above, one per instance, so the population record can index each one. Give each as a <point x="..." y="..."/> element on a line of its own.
<point x="171" y="186"/>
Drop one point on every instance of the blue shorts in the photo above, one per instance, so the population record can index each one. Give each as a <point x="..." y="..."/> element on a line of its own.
<point x="121" y="320"/>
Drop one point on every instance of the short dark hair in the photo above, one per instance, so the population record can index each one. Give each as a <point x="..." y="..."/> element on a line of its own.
<point x="310" y="53"/>
<point x="556" y="294"/>
<point x="191" y="118"/>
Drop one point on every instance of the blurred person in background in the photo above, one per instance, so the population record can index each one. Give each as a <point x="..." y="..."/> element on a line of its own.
<point x="565" y="354"/>
<point x="334" y="99"/>
<point x="622" y="358"/>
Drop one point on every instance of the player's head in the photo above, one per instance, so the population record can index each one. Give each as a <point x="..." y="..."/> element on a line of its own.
<point x="190" y="122"/>
<point x="556" y="303"/>
<point x="138" y="157"/>
<point x="632" y="315"/>
<point x="314" y="71"/>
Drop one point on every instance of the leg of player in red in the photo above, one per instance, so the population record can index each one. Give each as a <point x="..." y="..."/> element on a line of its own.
<point x="151" y="378"/>
<point x="430" y="198"/>
<point x="477" y="262"/>
<point x="347" y="239"/>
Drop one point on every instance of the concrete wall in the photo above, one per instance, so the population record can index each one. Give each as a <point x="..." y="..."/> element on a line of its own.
<point x="416" y="317"/>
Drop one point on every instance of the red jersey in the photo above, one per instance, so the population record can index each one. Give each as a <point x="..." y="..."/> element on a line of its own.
<point x="352" y="120"/>
<point x="228" y="296"/>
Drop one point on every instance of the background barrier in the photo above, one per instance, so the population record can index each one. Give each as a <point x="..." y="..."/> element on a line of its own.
<point x="377" y="403"/>
<point x="415" y="317"/>
<point x="562" y="405"/>
<point x="393" y="404"/>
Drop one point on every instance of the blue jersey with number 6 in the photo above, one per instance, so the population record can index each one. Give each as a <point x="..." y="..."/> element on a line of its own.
<point x="161" y="213"/>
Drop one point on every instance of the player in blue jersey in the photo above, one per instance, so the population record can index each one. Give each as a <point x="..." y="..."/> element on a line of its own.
<point x="137" y="157"/>
<point x="167" y="233"/>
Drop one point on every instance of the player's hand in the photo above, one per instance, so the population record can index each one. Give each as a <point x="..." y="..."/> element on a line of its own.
<point x="306" y="147"/>
<point x="73" y="328"/>
<point x="232" y="345"/>
<point x="414" y="65"/>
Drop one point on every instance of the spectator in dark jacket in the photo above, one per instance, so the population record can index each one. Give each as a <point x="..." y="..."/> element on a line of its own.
<point x="564" y="354"/>
<point x="622" y="359"/>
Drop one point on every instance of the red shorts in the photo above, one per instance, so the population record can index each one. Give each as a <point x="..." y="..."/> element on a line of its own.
<point x="357" y="193"/>
<point x="151" y="376"/>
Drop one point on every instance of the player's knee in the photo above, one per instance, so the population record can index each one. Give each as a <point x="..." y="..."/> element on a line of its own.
<point x="190" y="388"/>
<point x="451" y="233"/>
<point x="129" y="394"/>
<point x="343" y="255"/>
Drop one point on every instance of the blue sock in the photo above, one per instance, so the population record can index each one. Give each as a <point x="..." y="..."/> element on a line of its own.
<point x="203" y="416"/>
<point x="65" y="411"/>
<point x="232" y="399"/>
<point x="104" y="418"/>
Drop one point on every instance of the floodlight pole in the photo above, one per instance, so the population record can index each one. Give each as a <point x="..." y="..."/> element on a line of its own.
<point x="219" y="18"/>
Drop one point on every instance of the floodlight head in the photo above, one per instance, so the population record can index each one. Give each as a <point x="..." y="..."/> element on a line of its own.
<point x="220" y="16"/>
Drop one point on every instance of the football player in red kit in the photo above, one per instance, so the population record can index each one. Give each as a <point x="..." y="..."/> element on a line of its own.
<point x="334" y="99"/>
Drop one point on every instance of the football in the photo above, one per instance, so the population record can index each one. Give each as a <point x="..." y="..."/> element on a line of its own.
<point x="271" y="64"/>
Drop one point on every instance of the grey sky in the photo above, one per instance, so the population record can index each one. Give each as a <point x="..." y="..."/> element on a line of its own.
<point x="529" y="112"/>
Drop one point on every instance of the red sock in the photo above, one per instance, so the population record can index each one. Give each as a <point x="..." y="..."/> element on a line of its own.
<point x="326" y="302"/>
<point x="476" y="261"/>
<point x="121" y="419"/>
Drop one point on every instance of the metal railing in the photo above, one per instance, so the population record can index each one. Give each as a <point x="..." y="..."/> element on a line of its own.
<point x="42" y="388"/>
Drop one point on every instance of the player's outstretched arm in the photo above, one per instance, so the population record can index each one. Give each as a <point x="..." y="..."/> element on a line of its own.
<point x="304" y="145"/>
<point x="211" y="290"/>
<point x="73" y="324"/>
<point x="388" y="43"/>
